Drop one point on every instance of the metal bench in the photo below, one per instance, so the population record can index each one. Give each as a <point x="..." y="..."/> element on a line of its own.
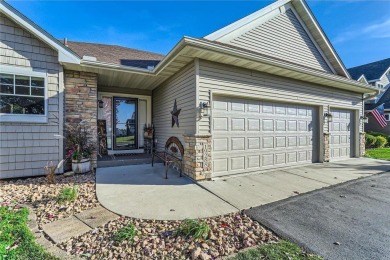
<point x="172" y="155"/>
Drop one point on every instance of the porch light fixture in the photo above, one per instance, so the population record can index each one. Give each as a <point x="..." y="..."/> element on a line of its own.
<point x="204" y="108"/>
<point x="101" y="103"/>
<point x="328" y="116"/>
<point x="364" y="119"/>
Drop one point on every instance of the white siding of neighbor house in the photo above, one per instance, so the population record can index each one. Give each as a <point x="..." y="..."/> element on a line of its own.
<point x="285" y="38"/>
<point x="27" y="147"/>
<point x="181" y="87"/>
<point x="234" y="81"/>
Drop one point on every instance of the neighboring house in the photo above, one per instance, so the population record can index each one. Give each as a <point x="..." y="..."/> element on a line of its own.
<point x="254" y="95"/>
<point x="377" y="74"/>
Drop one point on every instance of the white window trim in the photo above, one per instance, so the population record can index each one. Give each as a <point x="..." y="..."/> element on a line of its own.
<point x="30" y="118"/>
<point x="388" y="116"/>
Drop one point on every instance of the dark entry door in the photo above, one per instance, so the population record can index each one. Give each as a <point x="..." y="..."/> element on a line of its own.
<point x="125" y="123"/>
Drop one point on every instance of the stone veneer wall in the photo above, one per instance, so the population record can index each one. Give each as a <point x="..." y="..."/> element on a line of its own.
<point x="197" y="156"/>
<point x="326" y="147"/>
<point x="362" y="142"/>
<point x="81" y="102"/>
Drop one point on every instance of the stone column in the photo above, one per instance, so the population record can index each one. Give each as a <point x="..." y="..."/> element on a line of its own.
<point x="326" y="147"/>
<point x="362" y="144"/>
<point x="197" y="156"/>
<point x="81" y="102"/>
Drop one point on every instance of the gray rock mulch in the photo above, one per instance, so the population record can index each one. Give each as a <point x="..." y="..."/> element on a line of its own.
<point x="154" y="240"/>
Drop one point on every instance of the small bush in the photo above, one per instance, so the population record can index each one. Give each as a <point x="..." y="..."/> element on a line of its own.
<point x="67" y="194"/>
<point x="380" y="142"/>
<point x="194" y="228"/>
<point x="376" y="134"/>
<point x="126" y="233"/>
<point x="370" y="141"/>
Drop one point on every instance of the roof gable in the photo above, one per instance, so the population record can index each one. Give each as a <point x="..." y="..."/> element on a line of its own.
<point x="64" y="54"/>
<point x="283" y="37"/>
<point x="324" y="52"/>
<point x="372" y="71"/>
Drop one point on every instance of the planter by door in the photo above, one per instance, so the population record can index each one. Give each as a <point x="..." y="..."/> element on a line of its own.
<point x="81" y="167"/>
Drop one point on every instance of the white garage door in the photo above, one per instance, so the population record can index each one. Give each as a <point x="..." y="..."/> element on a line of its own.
<point x="250" y="135"/>
<point x="341" y="131"/>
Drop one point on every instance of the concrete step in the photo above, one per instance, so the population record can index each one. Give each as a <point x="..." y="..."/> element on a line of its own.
<point x="121" y="162"/>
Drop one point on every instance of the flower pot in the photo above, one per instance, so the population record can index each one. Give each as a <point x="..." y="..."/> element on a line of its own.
<point x="81" y="167"/>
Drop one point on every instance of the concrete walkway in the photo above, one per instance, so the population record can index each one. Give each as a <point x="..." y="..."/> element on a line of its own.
<point x="140" y="191"/>
<point x="61" y="230"/>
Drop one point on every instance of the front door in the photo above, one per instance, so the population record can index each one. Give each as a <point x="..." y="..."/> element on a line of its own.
<point x="125" y="123"/>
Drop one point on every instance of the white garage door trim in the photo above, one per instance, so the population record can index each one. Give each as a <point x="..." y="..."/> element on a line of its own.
<point x="342" y="134"/>
<point x="255" y="135"/>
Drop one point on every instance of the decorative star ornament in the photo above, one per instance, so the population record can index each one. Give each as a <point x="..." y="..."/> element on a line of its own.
<point x="175" y="115"/>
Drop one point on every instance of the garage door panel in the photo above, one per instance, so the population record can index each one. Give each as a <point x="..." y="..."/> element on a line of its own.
<point x="220" y="124"/>
<point x="341" y="132"/>
<point x="238" y="124"/>
<point x="259" y="135"/>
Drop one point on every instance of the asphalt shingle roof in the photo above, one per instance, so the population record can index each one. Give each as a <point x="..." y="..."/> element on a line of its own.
<point x="371" y="71"/>
<point x="116" y="54"/>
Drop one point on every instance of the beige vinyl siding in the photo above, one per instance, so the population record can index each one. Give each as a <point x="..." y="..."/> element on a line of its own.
<point x="283" y="37"/>
<point x="27" y="147"/>
<point x="234" y="81"/>
<point x="181" y="87"/>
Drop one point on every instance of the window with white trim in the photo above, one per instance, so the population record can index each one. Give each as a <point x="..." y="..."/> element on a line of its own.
<point x="387" y="116"/>
<point x="23" y="95"/>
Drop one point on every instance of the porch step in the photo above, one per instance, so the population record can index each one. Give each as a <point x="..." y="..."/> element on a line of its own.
<point x="120" y="161"/>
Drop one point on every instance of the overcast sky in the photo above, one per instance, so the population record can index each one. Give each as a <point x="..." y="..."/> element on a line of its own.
<point x="359" y="30"/>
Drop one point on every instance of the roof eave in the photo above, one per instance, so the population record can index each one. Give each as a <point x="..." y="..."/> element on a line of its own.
<point x="355" y="86"/>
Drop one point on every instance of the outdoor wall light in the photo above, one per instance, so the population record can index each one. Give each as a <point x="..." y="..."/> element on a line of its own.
<point x="328" y="116"/>
<point x="364" y="119"/>
<point x="101" y="104"/>
<point x="204" y="108"/>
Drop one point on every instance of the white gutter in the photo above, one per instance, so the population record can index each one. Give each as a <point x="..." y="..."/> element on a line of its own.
<point x="259" y="58"/>
<point x="114" y="67"/>
<point x="210" y="46"/>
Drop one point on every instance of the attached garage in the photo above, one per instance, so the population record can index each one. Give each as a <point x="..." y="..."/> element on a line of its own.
<point x="252" y="135"/>
<point x="341" y="133"/>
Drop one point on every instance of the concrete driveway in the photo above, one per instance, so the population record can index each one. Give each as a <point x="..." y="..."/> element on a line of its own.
<point x="347" y="221"/>
<point x="244" y="192"/>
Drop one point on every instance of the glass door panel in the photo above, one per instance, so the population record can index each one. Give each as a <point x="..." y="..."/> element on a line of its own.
<point x="125" y="121"/>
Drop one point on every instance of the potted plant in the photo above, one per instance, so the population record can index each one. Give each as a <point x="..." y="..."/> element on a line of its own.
<point x="80" y="147"/>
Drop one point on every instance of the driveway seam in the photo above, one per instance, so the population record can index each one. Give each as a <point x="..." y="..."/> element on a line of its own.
<point x="306" y="177"/>
<point x="216" y="195"/>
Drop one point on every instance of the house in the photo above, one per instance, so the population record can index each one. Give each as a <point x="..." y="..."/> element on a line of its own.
<point x="377" y="74"/>
<point x="264" y="92"/>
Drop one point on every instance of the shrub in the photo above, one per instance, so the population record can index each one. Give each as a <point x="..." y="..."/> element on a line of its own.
<point x="376" y="134"/>
<point x="126" y="233"/>
<point x="370" y="141"/>
<point x="380" y="142"/>
<point x="67" y="194"/>
<point x="194" y="228"/>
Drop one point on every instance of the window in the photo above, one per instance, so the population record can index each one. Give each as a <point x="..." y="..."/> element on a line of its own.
<point x="22" y="95"/>
<point x="387" y="116"/>
<point x="380" y="85"/>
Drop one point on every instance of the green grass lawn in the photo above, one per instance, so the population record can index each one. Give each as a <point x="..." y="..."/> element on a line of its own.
<point x="381" y="153"/>
<point x="282" y="250"/>
<point x="16" y="239"/>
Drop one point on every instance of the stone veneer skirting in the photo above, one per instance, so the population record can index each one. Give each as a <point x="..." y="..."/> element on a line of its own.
<point x="81" y="102"/>
<point x="197" y="156"/>
<point x="326" y="147"/>
<point x="362" y="142"/>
